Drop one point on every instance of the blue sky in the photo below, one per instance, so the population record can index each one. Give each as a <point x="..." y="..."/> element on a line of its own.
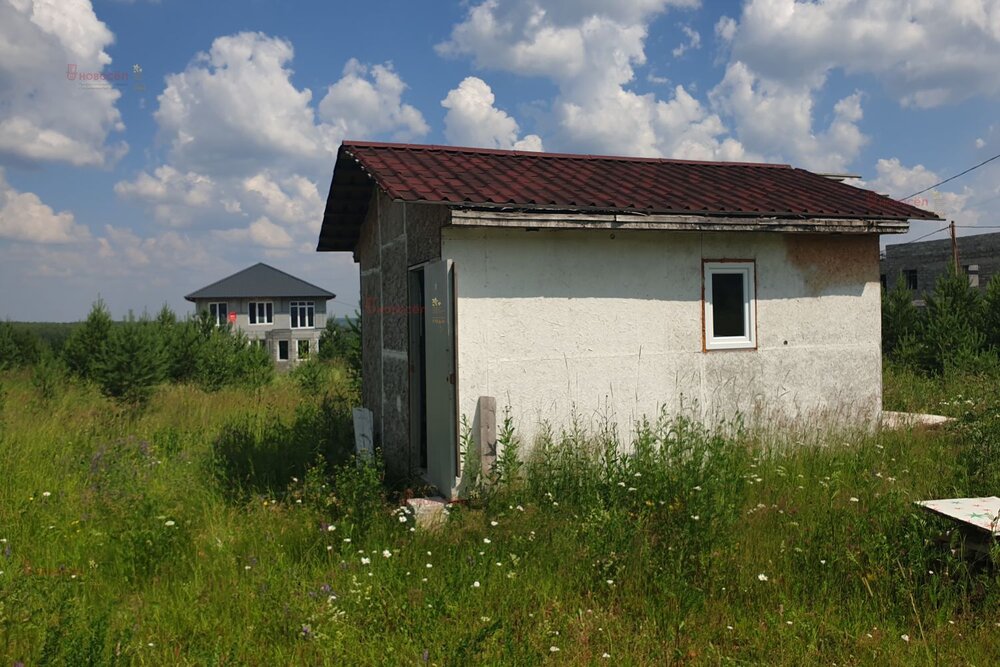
<point x="219" y="155"/>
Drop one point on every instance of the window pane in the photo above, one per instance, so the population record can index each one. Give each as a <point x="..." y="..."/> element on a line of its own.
<point x="252" y="313"/>
<point x="283" y="350"/>
<point x="270" y="313"/>
<point x="309" y="317"/>
<point x="727" y="305"/>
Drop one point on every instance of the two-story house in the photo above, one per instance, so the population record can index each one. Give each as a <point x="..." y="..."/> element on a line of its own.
<point x="274" y="309"/>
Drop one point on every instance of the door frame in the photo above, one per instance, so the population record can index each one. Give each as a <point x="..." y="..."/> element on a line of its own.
<point x="418" y="394"/>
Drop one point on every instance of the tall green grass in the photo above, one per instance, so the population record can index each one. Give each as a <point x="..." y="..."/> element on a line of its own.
<point x="124" y="545"/>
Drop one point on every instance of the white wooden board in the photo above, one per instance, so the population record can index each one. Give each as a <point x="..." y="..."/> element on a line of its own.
<point x="981" y="513"/>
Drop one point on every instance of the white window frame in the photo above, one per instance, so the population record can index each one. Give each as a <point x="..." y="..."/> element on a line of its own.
<point x="221" y="318"/>
<point x="748" y="340"/>
<point x="298" y="348"/>
<point x="288" y="350"/>
<point x="306" y="307"/>
<point x="258" y="312"/>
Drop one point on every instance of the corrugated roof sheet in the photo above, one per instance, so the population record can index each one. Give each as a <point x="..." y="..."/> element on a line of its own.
<point x="260" y="280"/>
<point x="483" y="178"/>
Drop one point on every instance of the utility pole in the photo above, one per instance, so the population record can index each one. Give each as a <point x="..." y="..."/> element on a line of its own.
<point x="954" y="247"/>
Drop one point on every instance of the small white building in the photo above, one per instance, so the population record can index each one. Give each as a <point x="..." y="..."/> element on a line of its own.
<point x="603" y="288"/>
<point x="274" y="309"/>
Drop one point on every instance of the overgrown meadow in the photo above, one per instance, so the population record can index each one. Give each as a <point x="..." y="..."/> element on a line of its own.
<point x="233" y="528"/>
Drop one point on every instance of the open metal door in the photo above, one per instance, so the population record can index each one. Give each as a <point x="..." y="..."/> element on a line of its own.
<point x="439" y="339"/>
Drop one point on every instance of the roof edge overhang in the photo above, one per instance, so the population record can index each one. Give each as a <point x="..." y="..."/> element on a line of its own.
<point x="352" y="185"/>
<point x="674" y="222"/>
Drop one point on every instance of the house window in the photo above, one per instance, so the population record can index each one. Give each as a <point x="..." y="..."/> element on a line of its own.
<point x="730" y="306"/>
<point x="910" y="276"/>
<point x="219" y="313"/>
<point x="282" y="350"/>
<point x="302" y="349"/>
<point x="302" y="314"/>
<point x="261" y="312"/>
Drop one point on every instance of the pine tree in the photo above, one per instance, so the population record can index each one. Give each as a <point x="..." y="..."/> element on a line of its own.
<point x="88" y="341"/>
<point x="132" y="362"/>
<point x="900" y="318"/>
<point x="953" y="328"/>
<point x="991" y="313"/>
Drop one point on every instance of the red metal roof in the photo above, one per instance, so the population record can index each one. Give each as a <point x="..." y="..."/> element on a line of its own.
<point x="519" y="180"/>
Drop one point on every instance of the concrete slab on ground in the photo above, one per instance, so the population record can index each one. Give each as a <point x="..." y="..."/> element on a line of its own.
<point x="428" y="512"/>
<point x="899" y="420"/>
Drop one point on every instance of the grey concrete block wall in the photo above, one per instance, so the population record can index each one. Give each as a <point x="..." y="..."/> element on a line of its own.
<point x="932" y="259"/>
<point x="394" y="237"/>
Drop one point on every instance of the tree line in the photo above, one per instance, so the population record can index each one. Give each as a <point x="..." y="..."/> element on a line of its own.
<point x="958" y="328"/>
<point x="127" y="359"/>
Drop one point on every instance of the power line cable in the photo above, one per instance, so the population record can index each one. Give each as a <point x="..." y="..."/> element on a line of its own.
<point x="920" y="238"/>
<point x="952" y="178"/>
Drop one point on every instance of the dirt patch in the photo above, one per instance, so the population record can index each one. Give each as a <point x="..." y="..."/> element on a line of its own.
<point x="830" y="260"/>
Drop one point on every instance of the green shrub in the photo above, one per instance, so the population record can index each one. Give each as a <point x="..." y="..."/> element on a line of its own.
<point x="227" y="359"/>
<point x="263" y="454"/>
<point x="49" y="376"/>
<point x="18" y="347"/>
<point x="991" y="312"/>
<point x="312" y="376"/>
<point x="343" y="342"/>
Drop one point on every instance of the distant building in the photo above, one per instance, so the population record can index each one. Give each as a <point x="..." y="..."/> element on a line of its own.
<point x="922" y="263"/>
<point x="274" y="309"/>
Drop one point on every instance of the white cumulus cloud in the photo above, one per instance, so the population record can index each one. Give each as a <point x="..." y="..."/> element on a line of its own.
<point x="24" y="217"/>
<point x="925" y="52"/>
<point x="473" y="120"/>
<point x="590" y="51"/>
<point x="777" y="120"/>
<point x="46" y="116"/>
<point x="367" y="101"/>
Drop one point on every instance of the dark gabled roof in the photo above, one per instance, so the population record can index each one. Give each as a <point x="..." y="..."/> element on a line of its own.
<point x="527" y="181"/>
<point x="260" y="280"/>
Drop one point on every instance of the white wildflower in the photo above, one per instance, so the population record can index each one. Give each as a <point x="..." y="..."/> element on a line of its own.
<point x="905" y="638"/>
<point x="168" y="523"/>
<point x="554" y="649"/>
<point x="475" y="584"/>
<point x="365" y="560"/>
<point x="762" y="577"/>
<point x="386" y="553"/>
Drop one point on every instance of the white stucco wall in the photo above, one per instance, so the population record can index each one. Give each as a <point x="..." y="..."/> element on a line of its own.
<point x="606" y="324"/>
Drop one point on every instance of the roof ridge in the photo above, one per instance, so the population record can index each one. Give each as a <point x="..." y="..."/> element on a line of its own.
<point x="254" y="266"/>
<point x="348" y="144"/>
